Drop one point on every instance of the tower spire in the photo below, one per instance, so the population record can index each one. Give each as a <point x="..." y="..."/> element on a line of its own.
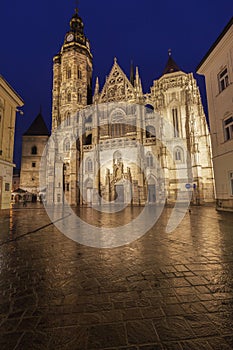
<point x="76" y="6"/>
<point x="132" y="76"/>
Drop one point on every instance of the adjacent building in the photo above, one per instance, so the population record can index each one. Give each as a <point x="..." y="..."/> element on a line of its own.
<point x="33" y="144"/>
<point x="9" y="101"/>
<point x="217" y="67"/>
<point x="120" y="120"/>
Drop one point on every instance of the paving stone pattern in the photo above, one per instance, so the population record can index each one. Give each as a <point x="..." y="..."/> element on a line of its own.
<point x="164" y="291"/>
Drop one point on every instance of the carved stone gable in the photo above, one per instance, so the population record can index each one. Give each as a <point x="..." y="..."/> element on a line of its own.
<point x="117" y="87"/>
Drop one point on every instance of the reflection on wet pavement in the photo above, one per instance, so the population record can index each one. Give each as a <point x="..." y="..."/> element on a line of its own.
<point x="163" y="291"/>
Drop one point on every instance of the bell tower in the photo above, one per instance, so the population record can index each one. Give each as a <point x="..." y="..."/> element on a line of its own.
<point x="72" y="73"/>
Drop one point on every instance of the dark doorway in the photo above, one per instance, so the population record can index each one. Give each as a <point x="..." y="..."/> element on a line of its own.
<point x="119" y="193"/>
<point x="151" y="193"/>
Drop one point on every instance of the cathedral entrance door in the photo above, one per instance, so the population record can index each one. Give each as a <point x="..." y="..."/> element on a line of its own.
<point x="89" y="195"/>
<point x="151" y="193"/>
<point x="119" y="193"/>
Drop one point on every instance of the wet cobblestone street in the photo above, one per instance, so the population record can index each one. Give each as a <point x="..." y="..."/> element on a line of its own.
<point x="163" y="291"/>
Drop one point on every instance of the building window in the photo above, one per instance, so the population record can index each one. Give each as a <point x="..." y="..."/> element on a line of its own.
<point x="149" y="160"/>
<point x="231" y="183"/>
<point x="67" y="120"/>
<point x="79" y="74"/>
<point x="34" y="150"/>
<point x="33" y="165"/>
<point x="68" y="73"/>
<point x="150" y="131"/>
<point x="7" y="187"/>
<point x="228" y="128"/>
<point x="68" y="97"/>
<point x="67" y="146"/>
<point x="79" y="97"/>
<point x="175" y="122"/>
<point x="67" y="187"/>
<point x="178" y="155"/>
<point x="89" y="166"/>
<point x="223" y="80"/>
<point x="118" y="129"/>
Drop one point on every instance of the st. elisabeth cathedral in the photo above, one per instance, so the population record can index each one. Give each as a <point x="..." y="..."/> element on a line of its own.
<point x="119" y="144"/>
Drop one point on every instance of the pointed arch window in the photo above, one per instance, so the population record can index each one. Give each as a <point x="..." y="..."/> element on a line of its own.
<point x="149" y="160"/>
<point x="179" y="155"/>
<point x="68" y="73"/>
<point x="79" y="97"/>
<point x="117" y="157"/>
<point x="69" y="97"/>
<point x="175" y="120"/>
<point x="89" y="165"/>
<point x="67" y="121"/>
<point x="79" y="73"/>
<point x="67" y="146"/>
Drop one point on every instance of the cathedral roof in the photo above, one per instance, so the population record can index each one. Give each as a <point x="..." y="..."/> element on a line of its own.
<point x="38" y="127"/>
<point x="117" y="86"/>
<point x="76" y="23"/>
<point x="171" y="65"/>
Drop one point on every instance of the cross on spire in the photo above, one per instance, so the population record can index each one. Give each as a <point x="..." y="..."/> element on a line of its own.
<point x="76" y="7"/>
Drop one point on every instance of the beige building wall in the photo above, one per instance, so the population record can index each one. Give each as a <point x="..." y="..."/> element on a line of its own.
<point x="217" y="67"/>
<point x="9" y="101"/>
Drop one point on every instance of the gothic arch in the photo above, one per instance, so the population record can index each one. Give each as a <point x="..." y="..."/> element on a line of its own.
<point x="66" y="145"/>
<point x="67" y="119"/>
<point x="89" y="165"/>
<point x="178" y="154"/>
<point x="68" y="72"/>
<point x="117" y="115"/>
<point x="117" y="156"/>
<point x="68" y="96"/>
<point x="149" y="108"/>
<point x="150" y="160"/>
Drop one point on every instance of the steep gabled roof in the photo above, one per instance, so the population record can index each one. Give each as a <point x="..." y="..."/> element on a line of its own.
<point x="171" y="66"/>
<point x="117" y="86"/>
<point x="38" y="127"/>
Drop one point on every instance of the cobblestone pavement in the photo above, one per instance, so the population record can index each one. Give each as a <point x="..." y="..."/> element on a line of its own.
<point x="164" y="291"/>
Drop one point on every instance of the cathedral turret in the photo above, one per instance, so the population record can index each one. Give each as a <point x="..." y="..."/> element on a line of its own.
<point x="132" y="76"/>
<point x="171" y="65"/>
<point x="97" y="88"/>
<point x="138" y="84"/>
<point x="76" y="32"/>
<point x="72" y="79"/>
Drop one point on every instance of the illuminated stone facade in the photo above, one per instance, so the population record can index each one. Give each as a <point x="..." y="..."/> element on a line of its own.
<point x="9" y="101"/>
<point x="126" y="152"/>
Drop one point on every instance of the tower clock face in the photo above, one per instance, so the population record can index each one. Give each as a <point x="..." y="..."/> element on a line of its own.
<point x="70" y="37"/>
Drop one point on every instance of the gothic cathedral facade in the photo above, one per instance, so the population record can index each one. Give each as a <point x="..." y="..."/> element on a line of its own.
<point x="120" y="144"/>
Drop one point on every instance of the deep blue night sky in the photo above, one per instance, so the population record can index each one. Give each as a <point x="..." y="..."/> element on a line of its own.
<point x="142" y="31"/>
